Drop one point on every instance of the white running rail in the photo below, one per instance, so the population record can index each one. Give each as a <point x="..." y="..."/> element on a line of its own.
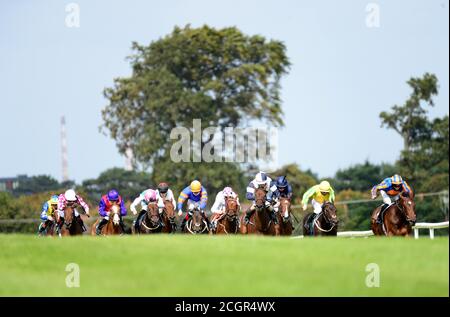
<point x="430" y="226"/>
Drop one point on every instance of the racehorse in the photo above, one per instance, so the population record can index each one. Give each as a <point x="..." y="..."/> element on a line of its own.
<point x="71" y="225"/>
<point x="168" y="218"/>
<point x="151" y="221"/>
<point x="284" y="217"/>
<point x="260" y="221"/>
<point x="325" y="224"/>
<point x="228" y="223"/>
<point x="398" y="218"/>
<point x="196" y="224"/>
<point x="113" y="226"/>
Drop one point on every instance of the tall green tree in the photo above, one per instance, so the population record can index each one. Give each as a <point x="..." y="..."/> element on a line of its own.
<point x="221" y="76"/>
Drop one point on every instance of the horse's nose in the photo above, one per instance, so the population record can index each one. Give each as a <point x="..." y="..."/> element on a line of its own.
<point x="412" y="222"/>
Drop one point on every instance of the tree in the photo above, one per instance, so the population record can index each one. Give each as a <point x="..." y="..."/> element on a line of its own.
<point x="129" y="183"/>
<point x="361" y="177"/>
<point x="410" y="120"/>
<point x="221" y="76"/>
<point x="36" y="184"/>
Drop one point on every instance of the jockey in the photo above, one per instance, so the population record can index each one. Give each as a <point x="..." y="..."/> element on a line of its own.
<point x="284" y="190"/>
<point x="218" y="209"/>
<point x="261" y="180"/>
<point x="104" y="208"/>
<point x="71" y="199"/>
<point x="163" y="193"/>
<point x="390" y="189"/>
<point x="319" y="194"/>
<point x="48" y="212"/>
<point x="197" y="197"/>
<point x="146" y="197"/>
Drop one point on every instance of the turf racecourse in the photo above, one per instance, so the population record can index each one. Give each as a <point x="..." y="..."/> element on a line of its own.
<point x="181" y="265"/>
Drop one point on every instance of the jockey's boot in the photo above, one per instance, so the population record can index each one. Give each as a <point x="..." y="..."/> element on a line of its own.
<point x="274" y="217"/>
<point x="98" y="228"/>
<point x="183" y="223"/>
<point x="41" y="228"/>
<point x="136" y="222"/>
<point x="248" y="214"/>
<point x="122" y="225"/>
<point x="80" y="221"/>
<point x="380" y="214"/>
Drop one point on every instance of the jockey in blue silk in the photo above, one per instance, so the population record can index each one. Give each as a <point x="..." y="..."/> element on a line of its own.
<point x="390" y="189"/>
<point x="104" y="208"/>
<point x="283" y="189"/>
<point x="48" y="213"/>
<point x="197" y="197"/>
<point x="263" y="181"/>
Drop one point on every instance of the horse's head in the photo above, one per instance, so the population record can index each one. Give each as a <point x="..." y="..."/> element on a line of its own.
<point x="153" y="213"/>
<point x="260" y="197"/>
<point x="197" y="224"/>
<point x="409" y="208"/>
<point x="330" y="213"/>
<point x="69" y="215"/>
<point x="285" y="207"/>
<point x="115" y="214"/>
<point x="169" y="210"/>
<point x="231" y="208"/>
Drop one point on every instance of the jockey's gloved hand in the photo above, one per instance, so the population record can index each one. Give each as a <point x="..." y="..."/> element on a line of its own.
<point x="180" y="212"/>
<point x="304" y="207"/>
<point x="50" y="218"/>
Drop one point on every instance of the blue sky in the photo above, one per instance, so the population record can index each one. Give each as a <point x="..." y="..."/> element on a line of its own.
<point x="343" y="73"/>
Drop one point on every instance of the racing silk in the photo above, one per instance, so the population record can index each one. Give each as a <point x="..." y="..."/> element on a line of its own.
<point x="219" y="203"/>
<point x="169" y="197"/>
<point x="287" y="193"/>
<point x="140" y="200"/>
<point x="105" y="206"/>
<point x="386" y="186"/>
<point x="62" y="203"/>
<point x="314" y="193"/>
<point x="47" y="210"/>
<point x="270" y="189"/>
<point x="202" y="198"/>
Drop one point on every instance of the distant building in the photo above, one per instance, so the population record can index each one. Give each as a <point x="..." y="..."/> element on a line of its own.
<point x="9" y="184"/>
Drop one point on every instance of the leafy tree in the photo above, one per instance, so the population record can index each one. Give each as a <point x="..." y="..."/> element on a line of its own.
<point x="129" y="183"/>
<point x="36" y="184"/>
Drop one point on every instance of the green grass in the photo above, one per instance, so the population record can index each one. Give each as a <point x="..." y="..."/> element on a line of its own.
<point x="222" y="266"/>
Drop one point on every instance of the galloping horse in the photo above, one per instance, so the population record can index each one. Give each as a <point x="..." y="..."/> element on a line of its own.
<point x="113" y="226"/>
<point x="260" y="221"/>
<point x="228" y="223"/>
<point x="196" y="224"/>
<point x="284" y="217"/>
<point x="168" y="218"/>
<point x="398" y="218"/>
<point x="151" y="221"/>
<point x="71" y="225"/>
<point x="326" y="224"/>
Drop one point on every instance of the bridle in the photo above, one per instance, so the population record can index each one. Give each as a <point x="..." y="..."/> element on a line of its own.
<point x="148" y="216"/>
<point x="326" y="218"/>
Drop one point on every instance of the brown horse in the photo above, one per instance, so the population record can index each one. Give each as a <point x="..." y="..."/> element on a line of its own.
<point x="284" y="217"/>
<point x="168" y="218"/>
<point x="228" y="223"/>
<point x="196" y="224"/>
<point x="150" y="221"/>
<point x="113" y="226"/>
<point x="398" y="218"/>
<point x="260" y="221"/>
<point x="71" y="225"/>
<point x="326" y="224"/>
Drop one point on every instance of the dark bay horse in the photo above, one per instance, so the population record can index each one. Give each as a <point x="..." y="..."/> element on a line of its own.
<point x="260" y="221"/>
<point x="168" y="218"/>
<point x="71" y="225"/>
<point x="228" y="223"/>
<point x="398" y="219"/>
<point x="326" y="224"/>
<point x="284" y="217"/>
<point x="150" y="221"/>
<point x="196" y="224"/>
<point x="113" y="226"/>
